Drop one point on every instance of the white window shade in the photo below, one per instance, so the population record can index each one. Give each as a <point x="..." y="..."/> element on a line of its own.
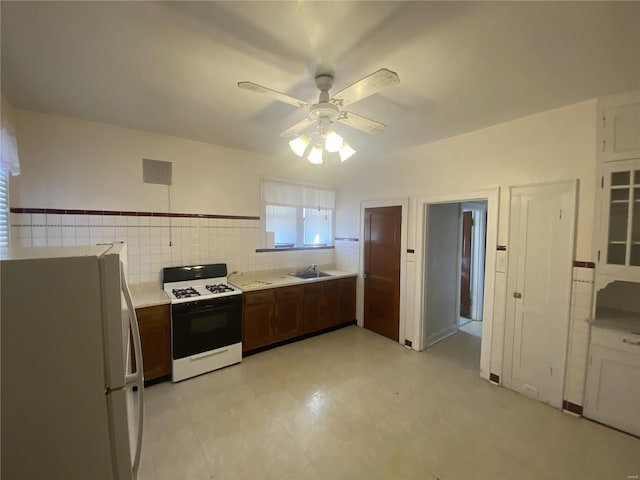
<point x="4" y="211"/>
<point x="286" y="194"/>
<point x="8" y="142"/>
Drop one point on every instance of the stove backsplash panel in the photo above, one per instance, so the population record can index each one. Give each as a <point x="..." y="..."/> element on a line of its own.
<point x="155" y="241"/>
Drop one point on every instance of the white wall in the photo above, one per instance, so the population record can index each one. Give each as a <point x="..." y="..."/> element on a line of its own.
<point x="73" y="164"/>
<point x="550" y="146"/>
<point x="76" y="164"/>
<point x="554" y="145"/>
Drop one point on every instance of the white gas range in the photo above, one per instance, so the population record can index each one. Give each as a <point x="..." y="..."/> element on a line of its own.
<point x="206" y="319"/>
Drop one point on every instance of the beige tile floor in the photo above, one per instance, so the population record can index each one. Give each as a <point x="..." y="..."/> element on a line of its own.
<point x="353" y="405"/>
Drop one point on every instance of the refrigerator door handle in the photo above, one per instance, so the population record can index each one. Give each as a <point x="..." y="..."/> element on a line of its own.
<point x="135" y="379"/>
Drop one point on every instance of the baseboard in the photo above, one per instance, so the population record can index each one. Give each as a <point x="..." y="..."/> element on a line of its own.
<point x="441" y="335"/>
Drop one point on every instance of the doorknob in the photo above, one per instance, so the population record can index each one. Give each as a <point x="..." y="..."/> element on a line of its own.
<point x="517" y="295"/>
<point x="364" y="276"/>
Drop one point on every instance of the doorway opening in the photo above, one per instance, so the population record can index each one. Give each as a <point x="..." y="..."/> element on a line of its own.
<point x="473" y="239"/>
<point x="455" y="269"/>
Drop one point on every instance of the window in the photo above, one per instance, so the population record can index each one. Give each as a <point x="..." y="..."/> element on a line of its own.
<point x="299" y="216"/>
<point x="4" y="210"/>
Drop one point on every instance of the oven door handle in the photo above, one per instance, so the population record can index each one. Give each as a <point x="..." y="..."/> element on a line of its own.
<point x="207" y="354"/>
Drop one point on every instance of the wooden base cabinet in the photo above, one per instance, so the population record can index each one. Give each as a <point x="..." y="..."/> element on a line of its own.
<point x="288" y="314"/>
<point x="280" y="314"/>
<point x="257" y="320"/>
<point x="154" y="324"/>
<point x="347" y="299"/>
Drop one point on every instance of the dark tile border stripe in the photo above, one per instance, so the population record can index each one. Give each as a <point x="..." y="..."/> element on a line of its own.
<point x="578" y="263"/>
<point x="494" y="378"/>
<point x="571" y="407"/>
<point x="60" y="211"/>
<point x="501" y="248"/>
<point x="289" y="249"/>
<point x="346" y="239"/>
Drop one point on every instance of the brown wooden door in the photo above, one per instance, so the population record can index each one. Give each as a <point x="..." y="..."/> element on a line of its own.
<point x="465" y="265"/>
<point x="288" y="313"/>
<point x="382" y="227"/>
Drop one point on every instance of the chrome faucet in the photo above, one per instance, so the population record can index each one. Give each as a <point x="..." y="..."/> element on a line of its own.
<point x="311" y="268"/>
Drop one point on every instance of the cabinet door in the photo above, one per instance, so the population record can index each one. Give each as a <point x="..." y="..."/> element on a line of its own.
<point x="330" y="313"/>
<point x="347" y="299"/>
<point x="613" y="388"/>
<point x="312" y="307"/>
<point x="620" y="246"/>
<point x="154" y="324"/>
<point x="621" y="129"/>
<point x="257" y="320"/>
<point x="289" y="309"/>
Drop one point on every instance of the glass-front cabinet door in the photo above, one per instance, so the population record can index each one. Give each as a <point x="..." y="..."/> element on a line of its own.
<point x="620" y="248"/>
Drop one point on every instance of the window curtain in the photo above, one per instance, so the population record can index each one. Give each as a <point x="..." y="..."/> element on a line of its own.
<point x="288" y="194"/>
<point x="9" y="161"/>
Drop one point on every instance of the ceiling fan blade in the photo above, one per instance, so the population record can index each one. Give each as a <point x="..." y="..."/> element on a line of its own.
<point x="298" y="127"/>
<point x="375" y="82"/>
<point x="254" y="87"/>
<point x="361" y="123"/>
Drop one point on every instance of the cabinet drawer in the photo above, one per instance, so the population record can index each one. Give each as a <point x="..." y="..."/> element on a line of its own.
<point x="625" y="342"/>
<point x="255" y="298"/>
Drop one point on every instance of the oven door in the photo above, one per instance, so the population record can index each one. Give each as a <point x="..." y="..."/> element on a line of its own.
<point x="201" y="326"/>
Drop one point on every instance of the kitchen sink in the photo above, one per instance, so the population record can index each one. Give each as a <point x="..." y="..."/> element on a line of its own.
<point x="308" y="275"/>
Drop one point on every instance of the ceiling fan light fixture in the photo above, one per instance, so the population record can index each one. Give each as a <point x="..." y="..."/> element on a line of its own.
<point x="299" y="145"/>
<point x="346" y="151"/>
<point x="333" y="142"/>
<point x="315" y="155"/>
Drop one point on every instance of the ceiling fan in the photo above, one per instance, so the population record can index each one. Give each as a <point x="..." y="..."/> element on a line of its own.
<point x="327" y="111"/>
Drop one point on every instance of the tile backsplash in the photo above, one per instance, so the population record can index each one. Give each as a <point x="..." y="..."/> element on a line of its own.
<point x="155" y="242"/>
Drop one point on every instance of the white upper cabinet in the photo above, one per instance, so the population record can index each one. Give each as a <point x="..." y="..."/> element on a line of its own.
<point x="617" y="221"/>
<point x="620" y="127"/>
<point x="619" y="253"/>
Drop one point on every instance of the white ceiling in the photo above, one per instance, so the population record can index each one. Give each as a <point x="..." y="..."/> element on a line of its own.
<point x="172" y="67"/>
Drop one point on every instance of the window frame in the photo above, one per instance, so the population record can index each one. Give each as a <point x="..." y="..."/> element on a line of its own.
<point x="300" y="220"/>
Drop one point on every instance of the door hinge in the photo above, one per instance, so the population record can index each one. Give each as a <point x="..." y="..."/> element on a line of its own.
<point x="602" y="182"/>
<point x="604" y="143"/>
<point x="598" y="255"/>
<point x="560" y="213"/>
<point x="604" y="120"/>
<point x="551" y="371"/>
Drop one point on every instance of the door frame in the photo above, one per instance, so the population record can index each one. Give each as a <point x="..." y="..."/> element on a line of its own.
<point x="477" y="255"/>
<point x="393" y="202"/>
<point x="571" y="187"/>
<point x="492" y="197"/>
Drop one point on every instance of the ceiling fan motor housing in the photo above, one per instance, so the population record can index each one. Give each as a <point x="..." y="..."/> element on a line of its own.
<point x="324" y="110"/>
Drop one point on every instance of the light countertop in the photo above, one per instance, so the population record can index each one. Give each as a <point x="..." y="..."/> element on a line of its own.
<point x="264" y="279"/>
<point x="148" y="294"/>
<point x="616" y="320"/>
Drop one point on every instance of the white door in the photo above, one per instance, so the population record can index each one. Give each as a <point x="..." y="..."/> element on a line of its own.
<point x="541" y="247"/>
<point x="442" y="281"/>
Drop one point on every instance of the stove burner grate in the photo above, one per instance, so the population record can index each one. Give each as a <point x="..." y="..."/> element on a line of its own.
<point x="185" y="292"/>
<point x="219" y="288"/>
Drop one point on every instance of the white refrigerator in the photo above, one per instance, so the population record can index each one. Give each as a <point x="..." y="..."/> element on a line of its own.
<point x="72" y="397"/>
